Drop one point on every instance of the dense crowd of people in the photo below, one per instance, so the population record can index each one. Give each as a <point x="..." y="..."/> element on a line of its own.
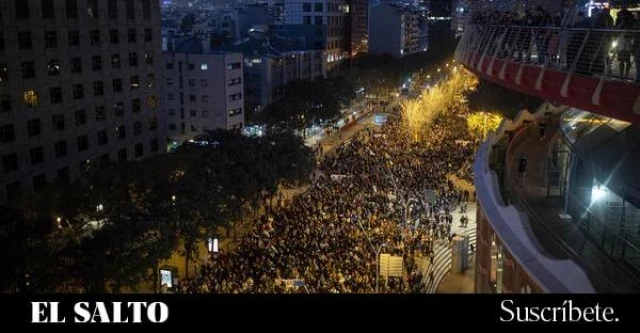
<point x="378" y="193"/>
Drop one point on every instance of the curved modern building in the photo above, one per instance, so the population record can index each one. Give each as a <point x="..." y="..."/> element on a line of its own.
<point x="570" y="223"/>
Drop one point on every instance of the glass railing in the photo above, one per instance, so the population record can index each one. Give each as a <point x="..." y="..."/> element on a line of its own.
<point x="602" y="53"/>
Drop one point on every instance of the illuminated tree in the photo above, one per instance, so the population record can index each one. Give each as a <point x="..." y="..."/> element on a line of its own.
<point x="481" y="123"/>
<point x="418" y="114"/>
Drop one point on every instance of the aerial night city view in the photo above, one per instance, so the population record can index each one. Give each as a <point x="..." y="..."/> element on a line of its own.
<point x="198" y="147"/>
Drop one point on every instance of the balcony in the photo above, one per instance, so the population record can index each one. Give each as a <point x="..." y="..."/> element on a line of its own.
<point x="531" y="224"/>
<point x="592" y="70"/>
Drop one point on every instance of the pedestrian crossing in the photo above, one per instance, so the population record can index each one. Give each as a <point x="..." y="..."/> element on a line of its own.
<point x="434" y="272"/>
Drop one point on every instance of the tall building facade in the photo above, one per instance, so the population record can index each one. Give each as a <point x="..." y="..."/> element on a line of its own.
<point x="359" y="16"/>
<point x="78" y="82"/>
<point x="397" y="30"/>
<point x="323" y="25"/>
<point x="203" y="90"/>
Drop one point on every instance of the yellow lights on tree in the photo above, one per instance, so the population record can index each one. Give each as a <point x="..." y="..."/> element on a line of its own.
<point x="418" y="114"/>
<point x="481" y="123"/>
<point x="30" y="98"/>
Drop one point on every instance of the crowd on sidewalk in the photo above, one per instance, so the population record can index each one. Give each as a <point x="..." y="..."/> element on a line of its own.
<point x="380" y="193"/>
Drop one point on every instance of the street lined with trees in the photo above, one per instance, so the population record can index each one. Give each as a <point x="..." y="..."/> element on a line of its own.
<point x="110" y="229"/>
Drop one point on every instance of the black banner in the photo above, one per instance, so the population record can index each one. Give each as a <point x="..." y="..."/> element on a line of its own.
<point x="245" y="311"/>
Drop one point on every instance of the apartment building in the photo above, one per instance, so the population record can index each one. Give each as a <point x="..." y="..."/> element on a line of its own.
<point x="203" y="89"/>
<point x="78" y="83"/>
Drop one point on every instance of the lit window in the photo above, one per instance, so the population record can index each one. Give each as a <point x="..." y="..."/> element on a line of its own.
<point x="204" y="67"/>
<point x="30" y="98"/>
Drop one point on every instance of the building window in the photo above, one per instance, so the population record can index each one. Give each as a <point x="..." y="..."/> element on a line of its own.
<point x="148" y="34"/>
<point x="172" y="127"/>
<point x="98" y="88"/>
<point x="53" y="67"/>
<point x="153" y="123"/>
<point x="78" y="91"/>
<point x="171" y="97"/>
<point x="136" y="106"/>
<point x="39" y="182"/>
<point x="152" y="102"/>
<point x="153" y="144"/>
<point x="306" y="20"/>
<point x="81" y="117"/>
<point x="101" y="113"/>
<point x="94" y="37"/>
<point x="72" y="9"/>
<point x="117" y="85"/>
<point x="115" y="61"/>
<point x="1" y="41"/>
<point x="134" y="82"/>
<point x="112" y="8"/>
<point x="22" y="9"/>
<point x="63" y="174"/>
<point x="48" y="11"/>
<point x="131" y="33"/>
<point x="50" y="39"/>
<point x="118" y="109"/>
<point x="103" y="139"/>
<point x="204" y="83"/>
<point x="169" y="65"/>
<point x="235" y="97"/>
<point x="114" y="36"/>
<point x="205" y="114"/>
<point x="24" y="40"/>
<point x="96" y="62"/>
<point x="37" y="155"/>
<point x="204" y="66"/>
<point x="318" y="7"/>
<point x="235" y="65"/>
<point x="30" y="98"/>
<point x="192" y="67"/>
<point x="192" y="82"/>
<point x="172" y="112"/>
<point x="306" y="6"/>
<point x="317" y="20"/>
<point x="205" y="99"/>
<point x="4" y="72"/>
<point x="194" y="128"/>
<point x="28" y="70"/>
<point x="92" y="9"/>
<point x="121" y="132"/>
<point x="58" y="122"/>
<point x="131" y="10"/>
<point x="139" y="150"/>
<point x="5" y="103"/>
<point x="146" y="9"/>
<point x="133" y="59"/>
<point x="83" y="143"/>
<point x="60" y="148"/>
<point x="74" y="38"/>
<point x="76" y="65"/>
<point x="193" y="98"/>
<point x="235" y="81"/>
<point x="235" y="112"/>
<point x="10" y="162"/>
<point x="7" y="134"/>
<point x="148" y="58"/>
<point x="193" y="113"/>
<point x="122" y="155"/>
<point x="33" y="127"/>
<point x="170" y="81"/>
<point x="137" y="128"/>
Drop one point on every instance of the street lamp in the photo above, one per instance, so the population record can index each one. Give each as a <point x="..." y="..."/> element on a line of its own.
<point x="378" y="267"/>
